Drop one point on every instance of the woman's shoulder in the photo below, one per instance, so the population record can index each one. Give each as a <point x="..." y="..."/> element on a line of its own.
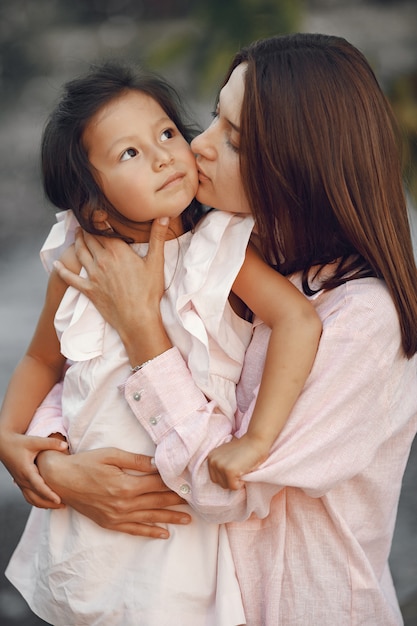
<point x="360" y="306"/>
<point x="367" y="294"/>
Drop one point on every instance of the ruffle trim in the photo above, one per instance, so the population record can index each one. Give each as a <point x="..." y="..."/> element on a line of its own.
<point x="200" y="270"/>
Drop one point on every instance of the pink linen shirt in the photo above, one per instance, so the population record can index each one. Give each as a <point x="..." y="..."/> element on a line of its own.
<point x="311" y="532"/>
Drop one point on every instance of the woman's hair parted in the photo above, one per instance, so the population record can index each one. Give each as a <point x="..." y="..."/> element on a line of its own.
<point x="67" y="175"/>
<point x="320" y="161"/>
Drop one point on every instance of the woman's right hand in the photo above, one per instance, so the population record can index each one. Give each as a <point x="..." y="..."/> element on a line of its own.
<point x="97" y="484"/>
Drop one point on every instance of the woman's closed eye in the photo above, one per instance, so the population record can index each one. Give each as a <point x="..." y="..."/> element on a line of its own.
<point x="232" y="146"/>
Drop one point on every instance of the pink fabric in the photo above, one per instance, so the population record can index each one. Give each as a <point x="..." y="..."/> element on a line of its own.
<point x="48" y="418"/>
<point x="311" y="532"/>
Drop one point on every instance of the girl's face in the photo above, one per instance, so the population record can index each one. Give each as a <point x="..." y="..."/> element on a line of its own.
<point x="143" y="164"/>
<point x="217" y="149"/>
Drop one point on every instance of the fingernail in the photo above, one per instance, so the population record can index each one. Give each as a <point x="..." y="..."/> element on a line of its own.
<point x="153" y="461"/>
<point x="163" y="220"/>
<point x="185" y="520"/>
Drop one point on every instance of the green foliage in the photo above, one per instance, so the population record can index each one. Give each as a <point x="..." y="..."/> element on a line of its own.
<point x="217" y="29"/>
<point x="403" y="97"/>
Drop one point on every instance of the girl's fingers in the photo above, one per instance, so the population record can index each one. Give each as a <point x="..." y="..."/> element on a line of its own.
<point x="41" y="502"/>
<point x="40" y="489"/>
<point x="49" y="443"/>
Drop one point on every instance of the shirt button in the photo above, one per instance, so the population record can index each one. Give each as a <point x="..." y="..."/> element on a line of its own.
<point x="154" y="420"/>
<point x="137" y="396"/>
<point x="185" y="489"/>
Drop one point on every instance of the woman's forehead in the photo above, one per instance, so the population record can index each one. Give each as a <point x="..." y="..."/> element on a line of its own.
<point x="231" y="96"/>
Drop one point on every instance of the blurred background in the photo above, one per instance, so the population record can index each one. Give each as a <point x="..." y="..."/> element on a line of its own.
<point x="43" y="43"/>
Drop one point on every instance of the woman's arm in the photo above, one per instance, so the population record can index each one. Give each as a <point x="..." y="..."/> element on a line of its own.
<point x="338" y="423"/>
<point x="96" y="484"/>
<point x="295" y="334"/>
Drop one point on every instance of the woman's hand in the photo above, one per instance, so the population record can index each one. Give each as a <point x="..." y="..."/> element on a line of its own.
<point x="119" y="281"/>
<point x="96" y="484"/>
<point x="125" y="288"/>
<point x="19" y="454"/>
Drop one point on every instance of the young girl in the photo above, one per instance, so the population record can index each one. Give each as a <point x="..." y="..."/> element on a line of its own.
<point x="115" y="151"/>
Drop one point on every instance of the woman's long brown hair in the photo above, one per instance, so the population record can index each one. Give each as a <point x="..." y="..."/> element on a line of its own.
<point x="321" y="167"/>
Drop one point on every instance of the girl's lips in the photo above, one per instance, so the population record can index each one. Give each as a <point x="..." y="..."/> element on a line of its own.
<point x="172" y="180"/>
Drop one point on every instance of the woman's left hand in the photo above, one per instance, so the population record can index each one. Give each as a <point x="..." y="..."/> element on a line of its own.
<point x="125" y="288"/>
<point x="119" y="281"/>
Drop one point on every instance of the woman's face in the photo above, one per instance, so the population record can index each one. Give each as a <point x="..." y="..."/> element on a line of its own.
<point x="217" y="150"/>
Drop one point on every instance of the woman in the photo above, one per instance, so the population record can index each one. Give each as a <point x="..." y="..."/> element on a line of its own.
<point x="303" y="130"/>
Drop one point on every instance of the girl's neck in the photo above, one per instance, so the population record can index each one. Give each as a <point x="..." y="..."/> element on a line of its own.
<point x="141" y="233"/>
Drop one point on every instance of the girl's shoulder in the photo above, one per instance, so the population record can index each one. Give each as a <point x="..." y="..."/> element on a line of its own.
<point x="60" y="237"/>
<point x="70" y="260"/>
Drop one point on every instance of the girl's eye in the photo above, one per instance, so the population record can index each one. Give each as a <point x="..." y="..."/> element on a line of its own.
<point x="167" y="134"/>
<point x="215" y="114"/>
<point x="128" y="154"/>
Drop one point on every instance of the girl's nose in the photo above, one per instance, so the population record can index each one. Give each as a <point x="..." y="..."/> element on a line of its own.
<point x="162" y="157"/>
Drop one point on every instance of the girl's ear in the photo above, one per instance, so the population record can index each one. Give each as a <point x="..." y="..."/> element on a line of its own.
<point x="100" y="220"/>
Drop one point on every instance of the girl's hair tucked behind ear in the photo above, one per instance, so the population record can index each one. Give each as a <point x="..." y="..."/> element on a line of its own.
<point x="321" y="167"/>
<point x="68" y="176"/>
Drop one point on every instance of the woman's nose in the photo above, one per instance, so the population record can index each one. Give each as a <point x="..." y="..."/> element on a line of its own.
<point x="203" y="145"/>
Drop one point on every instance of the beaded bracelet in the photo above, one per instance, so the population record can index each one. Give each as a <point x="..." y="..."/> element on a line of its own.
<point x="139" y="367"/>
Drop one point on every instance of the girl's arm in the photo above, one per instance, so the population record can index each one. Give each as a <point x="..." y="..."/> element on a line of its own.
<point x="296" y="330"/>
<point x="35" y="375"/>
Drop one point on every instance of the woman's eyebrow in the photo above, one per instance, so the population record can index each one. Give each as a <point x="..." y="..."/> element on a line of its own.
<point x="234" y="126"/>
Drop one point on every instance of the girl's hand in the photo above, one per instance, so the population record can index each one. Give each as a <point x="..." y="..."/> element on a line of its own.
<point x="230" y="461"/>
<point x="96" y="484"/>
<point x="21" y="464"/>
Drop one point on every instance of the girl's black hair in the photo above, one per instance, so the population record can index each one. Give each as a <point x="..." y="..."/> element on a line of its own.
<point x="67" y="175"/>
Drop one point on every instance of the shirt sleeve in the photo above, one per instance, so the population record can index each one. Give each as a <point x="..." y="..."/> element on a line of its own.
<point x="48" y="418"/>
<point x="185" y="426"/>
<point x="344" y="414"/>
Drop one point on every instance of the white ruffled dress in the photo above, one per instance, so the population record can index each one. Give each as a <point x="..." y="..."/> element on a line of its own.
<point x="73" y="572"/>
